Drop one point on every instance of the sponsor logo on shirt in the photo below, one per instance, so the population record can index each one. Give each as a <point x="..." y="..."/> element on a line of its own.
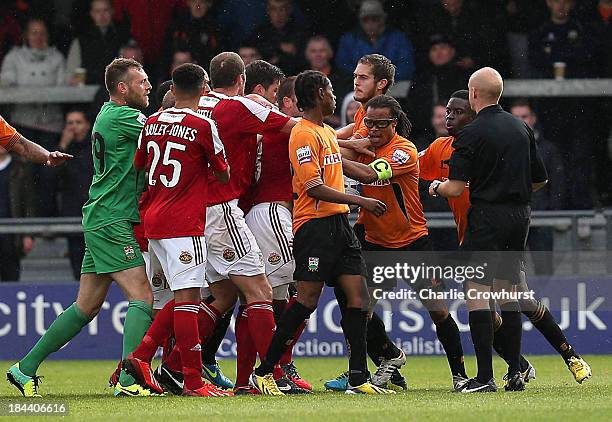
<point x="304" y="154"/>
<point x="229" y="254"/>
<point x="379" y="183"/>
<point x="331" y="159"/>
<point x="274" y="258"/>
<point x="313" y="264"/>
<point x="141" y="118"/>
<point x="185" y="257"/>
<point x="170" y="118"/>
<point x="400" y="157"/>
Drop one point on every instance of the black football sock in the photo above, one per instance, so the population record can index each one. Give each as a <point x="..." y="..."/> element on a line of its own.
<point x="498" y="341"/>
<point x="448" y="334"/>
<point x="481" y="329"/>
<point x="214" y="341"/>
<point x="510" y="334"/>
<point x="279" y="308"/>
<point x="379" y="345"/>
<point x="355" y="326"/>
<point x="543" y="320"/>
<point x="287" y="326"/>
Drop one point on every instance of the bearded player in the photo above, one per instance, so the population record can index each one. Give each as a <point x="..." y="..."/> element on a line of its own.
<point x="111" y="252"/>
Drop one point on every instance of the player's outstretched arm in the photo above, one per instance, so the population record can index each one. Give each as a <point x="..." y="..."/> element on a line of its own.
<point x="345" y="132"/>
<point x="327" y="194"/>
<point x="359" y="145"/>
<point x="37" y="154"/>
<point x="358" y="171"/>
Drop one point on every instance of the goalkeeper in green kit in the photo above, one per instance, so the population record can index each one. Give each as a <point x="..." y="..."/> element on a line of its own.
<point x="111" y="251"/>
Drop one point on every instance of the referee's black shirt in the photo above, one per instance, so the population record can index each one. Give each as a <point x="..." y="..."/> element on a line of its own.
<point x="497" y="154"/>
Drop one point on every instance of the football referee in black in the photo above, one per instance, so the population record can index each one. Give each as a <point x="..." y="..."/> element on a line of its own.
<point x="497" y="155"/>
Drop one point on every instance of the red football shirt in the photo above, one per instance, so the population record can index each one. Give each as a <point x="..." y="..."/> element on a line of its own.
<point x="239" y="120"/>
<point x="176" y="148"/>
<point x="274" y="182"/>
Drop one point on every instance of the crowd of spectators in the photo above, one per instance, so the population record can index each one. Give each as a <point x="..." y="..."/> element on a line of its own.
<point x="435" y="44"/>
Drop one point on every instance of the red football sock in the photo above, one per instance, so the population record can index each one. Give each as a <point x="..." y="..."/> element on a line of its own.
<point x="246" y="353"/>
<point x="157" y="334"/>
<point x="188" y="342"/>
<point x="207" y="320"/>
<point x="261" y="325"/>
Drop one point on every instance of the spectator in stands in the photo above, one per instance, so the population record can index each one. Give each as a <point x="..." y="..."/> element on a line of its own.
<point x="35" y="64"/>
<point x="319" y="55"/>
<point x="597" y="15"/>
<point x="281" y="38"/>
<point x="476" y="35"/>
<point x="10" y="31"/>
<point x="562" y="39"/>
<point x="551" y="197"/>
<point x="522" y="17"/>
<point x="97" y="46"/>
<point x="196" y="31"/>
<point x="148" y="26"/>
<point x="349" y="109"/>
<point x="374" y="36"/>
<point x="435" y="83"/>
<point x="74" y="178"/>
<point x="239" y="20"/>
<point x="181" y="56"/>
<point x="249" y="53"/>
<point x="17" y="200"/>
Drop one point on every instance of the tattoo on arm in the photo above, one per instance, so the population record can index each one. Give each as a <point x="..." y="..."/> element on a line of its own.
<point x="31" y="151"/>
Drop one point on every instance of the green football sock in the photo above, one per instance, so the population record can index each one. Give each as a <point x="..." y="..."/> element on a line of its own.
<point x="67" y="325"/>
<point x="137" y="322"/>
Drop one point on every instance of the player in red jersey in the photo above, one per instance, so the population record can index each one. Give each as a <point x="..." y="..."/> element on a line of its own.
<point x="179" y="147"/>
<point x="235" y="263"/>
<point x="268" y="205"/>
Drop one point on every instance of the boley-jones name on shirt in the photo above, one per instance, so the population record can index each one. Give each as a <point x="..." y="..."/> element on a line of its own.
<point x="177" y="131"/>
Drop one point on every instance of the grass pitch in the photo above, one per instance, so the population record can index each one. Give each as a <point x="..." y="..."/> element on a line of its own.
<point x="553" y="396"/>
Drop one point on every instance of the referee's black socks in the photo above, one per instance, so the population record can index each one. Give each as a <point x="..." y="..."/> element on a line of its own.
<point x="481" y="329"/>
<point x="511" y="332"/>
<point x="378" y="343"/>
<point x="448" y="334"/>
<point x="287" y="326"/>
<point x="542" y="319"/>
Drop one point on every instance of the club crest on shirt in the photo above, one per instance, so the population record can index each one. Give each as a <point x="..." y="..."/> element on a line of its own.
<point x="274" y="258"/>
<point x="229" y="254"/>
<point x="129" y="252"/>
<point x="158" y="279"/>
<point x="185" y="257"/>
<point x="304" y="154"/>
<point x="400" y="157"/>
<point x="313" y="264"/>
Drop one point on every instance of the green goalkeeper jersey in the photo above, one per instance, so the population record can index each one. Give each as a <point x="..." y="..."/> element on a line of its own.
<point x="116" y="185"/>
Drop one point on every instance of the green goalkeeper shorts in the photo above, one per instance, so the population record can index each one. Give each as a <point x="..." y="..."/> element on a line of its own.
<point x="110" y="249"/>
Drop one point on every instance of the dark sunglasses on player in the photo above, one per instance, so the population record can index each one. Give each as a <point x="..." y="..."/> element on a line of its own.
<point x="379" y="123"/>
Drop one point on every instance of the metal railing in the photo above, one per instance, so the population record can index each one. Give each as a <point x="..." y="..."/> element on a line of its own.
<point x="512" y="88"/>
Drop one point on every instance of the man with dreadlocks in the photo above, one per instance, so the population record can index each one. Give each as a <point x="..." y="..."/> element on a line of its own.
<point x="392" y="177"/>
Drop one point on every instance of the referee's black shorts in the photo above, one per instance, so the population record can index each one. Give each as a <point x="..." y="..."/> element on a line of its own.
<point x="326" y="248"/>
<point x="497" y="234"/>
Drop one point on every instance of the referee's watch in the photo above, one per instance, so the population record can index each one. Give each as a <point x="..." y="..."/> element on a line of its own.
<point x="436" y="186"/>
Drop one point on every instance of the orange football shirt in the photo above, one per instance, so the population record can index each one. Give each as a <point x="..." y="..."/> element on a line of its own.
<point x="315" y="160"/>
<point x="404" y="221"/>
<point x="8" y="135"/>
<point x="360" y="130"/>
<point x="434" y="165"/>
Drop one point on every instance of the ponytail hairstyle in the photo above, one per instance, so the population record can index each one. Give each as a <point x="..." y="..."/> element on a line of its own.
<point x="404" y="126"/>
